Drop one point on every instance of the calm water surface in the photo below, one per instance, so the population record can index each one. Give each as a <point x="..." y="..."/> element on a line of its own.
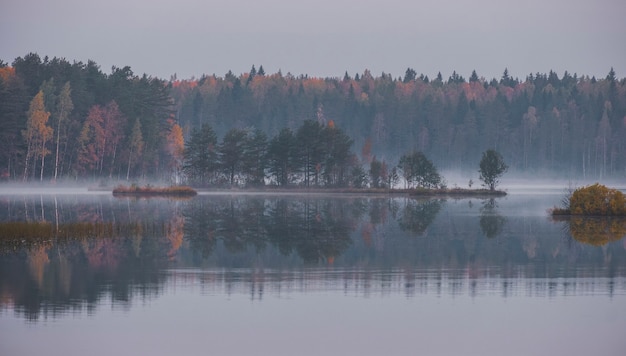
<point x="307" y="275"/>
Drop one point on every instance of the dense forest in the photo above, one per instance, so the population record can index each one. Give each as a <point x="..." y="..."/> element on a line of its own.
<point x="70" y="120"/>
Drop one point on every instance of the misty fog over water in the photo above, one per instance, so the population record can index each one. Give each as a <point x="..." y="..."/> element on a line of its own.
<point x="338" y="153"/>
<point x="226" y="266"/>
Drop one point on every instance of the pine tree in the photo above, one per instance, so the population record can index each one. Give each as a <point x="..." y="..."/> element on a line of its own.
<point x="135" y="145"/>
<point x="409" y="75"/>
<point x="255" y="157"/>
<point x="311" y="150"/>
<point x="281" y="157"/>
<point x="231" y="153"/>
<point x="201" y="155"/>
<point x="473" y="77"/>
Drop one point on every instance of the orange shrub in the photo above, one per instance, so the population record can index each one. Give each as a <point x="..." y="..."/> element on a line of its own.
<point x="597" y="199"/>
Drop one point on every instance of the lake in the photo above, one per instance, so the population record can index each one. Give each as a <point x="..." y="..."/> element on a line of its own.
<point x="254" y="274"/>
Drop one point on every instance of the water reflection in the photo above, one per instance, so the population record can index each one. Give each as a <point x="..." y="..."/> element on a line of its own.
<point x="417" y="215"/>
<point x="595" y="230"/>
<point x="407" y="282"/>
<point x="491" y="222"/>
<point x="59" y="255"/>
<point x="316" y="230"/>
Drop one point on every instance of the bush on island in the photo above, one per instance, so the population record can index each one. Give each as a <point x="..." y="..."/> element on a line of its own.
<point x="594" y="200"/>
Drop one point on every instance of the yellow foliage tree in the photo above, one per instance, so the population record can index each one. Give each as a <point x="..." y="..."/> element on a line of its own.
<point x="175" y="234"/>
<point x="38" y="260"/>
<point x="176" y="148"/>
<point x="37" y="133"/>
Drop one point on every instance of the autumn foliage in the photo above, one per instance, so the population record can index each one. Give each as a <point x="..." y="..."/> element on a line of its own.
<point x="545" y="123"/>
<point x="597" y="231"/>
<point x="594" y="200"/>
<point x="154" y="191"/>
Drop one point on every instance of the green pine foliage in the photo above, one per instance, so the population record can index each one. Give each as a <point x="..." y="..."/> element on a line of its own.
<point x="545" y="123"/>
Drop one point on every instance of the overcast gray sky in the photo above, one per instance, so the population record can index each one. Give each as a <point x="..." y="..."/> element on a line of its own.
<point x="323" y="37"/>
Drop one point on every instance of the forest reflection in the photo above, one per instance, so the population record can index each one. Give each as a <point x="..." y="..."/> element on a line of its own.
<point x="316" y="230"/>
<point x="63" y="254"/>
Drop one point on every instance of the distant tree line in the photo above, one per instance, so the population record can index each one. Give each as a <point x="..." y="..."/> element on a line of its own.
<point x="565" y="124"/>
<point x="70" y="120"/>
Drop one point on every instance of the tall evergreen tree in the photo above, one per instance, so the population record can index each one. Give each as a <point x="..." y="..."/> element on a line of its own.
<point x="311" y="150"/>
<point x="281" y="157"/>
<point x="201" y="156"/>
<point x="13" y="105"/>
<point x="255" y="157"/>
<point x="231" y="154"/>
<point x="135" y="146"/>
<point x="338" y="154"/>
<point x="410" y="75"/>
<point x="473" y="77"/>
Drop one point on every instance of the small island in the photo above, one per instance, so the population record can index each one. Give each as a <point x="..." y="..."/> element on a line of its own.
<point x="594" y="214"/>
<point x="422" y="179"/>
<point x="459" y="192"/>
<point x="412" y="192"/>
<point x="593" y="200"/>
<point x="151" y="191"/>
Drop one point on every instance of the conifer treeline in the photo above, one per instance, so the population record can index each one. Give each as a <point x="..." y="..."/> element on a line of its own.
<point x="61" y="119"/>
<point x="574" y="126"/>
<point x="70" y="120"/>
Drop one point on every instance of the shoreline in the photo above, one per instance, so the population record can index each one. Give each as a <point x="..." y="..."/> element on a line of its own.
<point x="352" y="191"/>
<point x="149" y="190"/>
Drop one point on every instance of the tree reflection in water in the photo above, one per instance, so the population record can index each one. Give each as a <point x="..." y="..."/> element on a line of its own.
<point x="125" y="248"/>
<point x="315" y="229"/>
<point x="417" y="215"/>
<point x="491" y="222"/>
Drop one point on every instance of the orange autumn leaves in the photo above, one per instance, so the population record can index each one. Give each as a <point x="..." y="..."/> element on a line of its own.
<point x="37" y="133"/>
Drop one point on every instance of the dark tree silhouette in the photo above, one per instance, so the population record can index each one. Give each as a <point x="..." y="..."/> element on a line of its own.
<point x="492" y="167"/>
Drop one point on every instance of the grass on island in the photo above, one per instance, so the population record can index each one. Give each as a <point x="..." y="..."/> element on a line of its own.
<point x="154" y="191"/>
<point x="593" y="200"/>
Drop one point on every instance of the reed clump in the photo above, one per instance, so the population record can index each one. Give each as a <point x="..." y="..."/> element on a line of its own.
<point x="148" y="190"/>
